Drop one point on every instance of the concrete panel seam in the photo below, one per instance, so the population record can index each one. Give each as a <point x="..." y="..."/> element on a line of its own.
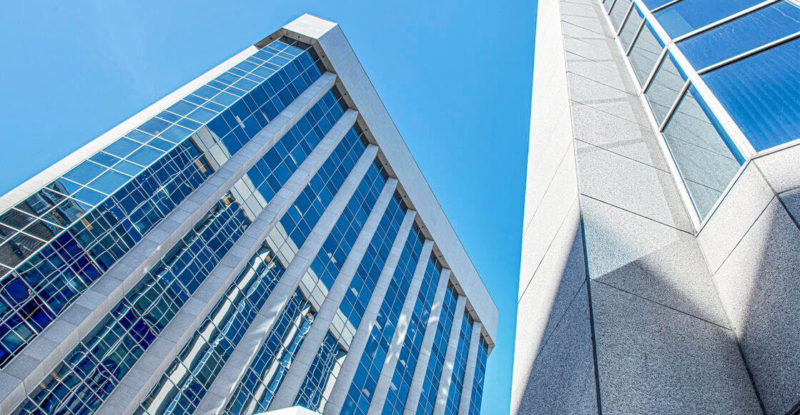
<point x="544" y="192"/>
<point x="591" y="317"/>
<point x="549" y="245"/>
<point x="745" y="234"/>
<point x="660" y="304"/>
<point x="637" y="214"/>
<point x="786" y="208"/>
<point x="560" y="318"/>
<point x="621" y="155"/>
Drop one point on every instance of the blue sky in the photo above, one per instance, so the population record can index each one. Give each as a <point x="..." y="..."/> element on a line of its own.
<point x="454" y="75"/>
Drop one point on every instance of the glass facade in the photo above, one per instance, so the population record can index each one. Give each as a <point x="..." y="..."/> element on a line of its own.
<point x="221" y="280"/>
<point x="184" y="384"/>
<point x="256" y="388"/>
<point x="459" y="366"/>
<point x="369" y="369"/>
<point x="59" y="241"/>
<point x="477" y="383"/>
<point x="325" y="269"/>
<point x="94" y="368"/>
<point x="404" y="372"/>
<point x="721" y="78"/>
<point x="430" y="387"/>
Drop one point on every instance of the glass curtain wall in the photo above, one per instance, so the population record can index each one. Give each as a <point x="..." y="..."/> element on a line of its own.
<point x="721" y="77"/>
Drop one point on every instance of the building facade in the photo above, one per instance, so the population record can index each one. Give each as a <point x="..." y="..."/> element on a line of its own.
<point x="259" y="239"/>
<point x="660" y="261"/>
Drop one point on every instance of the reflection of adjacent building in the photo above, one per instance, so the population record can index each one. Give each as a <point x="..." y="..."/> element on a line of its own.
<point x="660" y="232"/>
<point x="259" y="239"/>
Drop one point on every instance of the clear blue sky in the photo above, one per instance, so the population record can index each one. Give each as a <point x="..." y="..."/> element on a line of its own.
<point x="455" y="76"/>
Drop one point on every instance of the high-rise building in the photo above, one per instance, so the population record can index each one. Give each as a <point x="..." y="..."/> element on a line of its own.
<point x="259" y="239"/>
<point x="660" y="266"/>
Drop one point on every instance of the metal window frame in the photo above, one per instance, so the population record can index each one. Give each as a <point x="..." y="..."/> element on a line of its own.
<point x="694" y="78"/>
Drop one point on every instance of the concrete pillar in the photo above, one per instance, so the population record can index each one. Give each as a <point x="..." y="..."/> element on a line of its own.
<point x="334" y="405"/>
<point x="469" y="371"/>
<point x="449" y="358"/>
<point x="134" y="387"/>
<point x="393" y="354"/>
<point x="226" y="381"/>
<point x="304" y="357"/>
<point x="415" y="388"/>
<point x="58" y="339"/>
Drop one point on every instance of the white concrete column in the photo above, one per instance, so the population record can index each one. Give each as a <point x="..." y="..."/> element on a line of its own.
<point x="58" y="339"/>
<point x="469" y="371"/>
<point x="334" y="405"/>
<point x="145" y="373"/>
<point x="226" y="381"/>
<point x="449" y="358"/>
<point x="415" y="388"/>
<point x="304" y="357"/>
<point x="393" y="354"/>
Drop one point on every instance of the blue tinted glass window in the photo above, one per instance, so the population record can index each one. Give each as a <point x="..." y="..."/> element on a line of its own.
<point x="359" y="395"/>
<point x="459" y="367"/>
<point x="418" y="324"/>
<point x="175" y="134"/>
<point x="107" y="218"/>
<point x="740" y="35"/>
<point x="477" y="384"/>
<point x="122" y="147"/>
<point x="653" y="4"/>
<point x="761" y="94"/>
<point x="108" y="352"/>
<point x="85" y="172"/>
<point x="109" y="182"/>
<point x="144" y="156"/>
<point x="430" y="386"/>
<point x="688" y="15"/>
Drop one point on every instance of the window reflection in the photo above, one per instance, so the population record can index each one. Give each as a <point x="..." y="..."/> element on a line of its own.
<point x="743" y="34"/>
<point x="645" y="53"/>
<point x="631" y="27"/>
<point x="618" y="12"/>
<point x="761" y="94"/>
<point x="688" y="15"/>
<point x="702" y="152"/>
<point x="665" y="87"/>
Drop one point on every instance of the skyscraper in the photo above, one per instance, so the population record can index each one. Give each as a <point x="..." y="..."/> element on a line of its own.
<point x="260" y="238"/>
<point x="660" y="262"/>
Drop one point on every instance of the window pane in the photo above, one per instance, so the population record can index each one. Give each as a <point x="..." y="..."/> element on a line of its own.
<point x="154" y="126"/>
<point x="122" y="147"/>
<point x="645" y="53"/>
<point x="175" y="134"/>
<point x="89" y="196"/>
<point x="104" y="159"/>
<point x="652" y="4"/>
<point x="705" y="156"/>
<point x="618" y="12"/>
<point x="85" y="172"/>
<point x="761" y="94"/>
<point x="631" y="26"/>
<point x="663" y="91"/>
<point x="144" y="156"/>
<point x="688" y="15"/>
<point x="182" y="107"/>
<point x="740" y="35"/>
<point x="109" y="182"/>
